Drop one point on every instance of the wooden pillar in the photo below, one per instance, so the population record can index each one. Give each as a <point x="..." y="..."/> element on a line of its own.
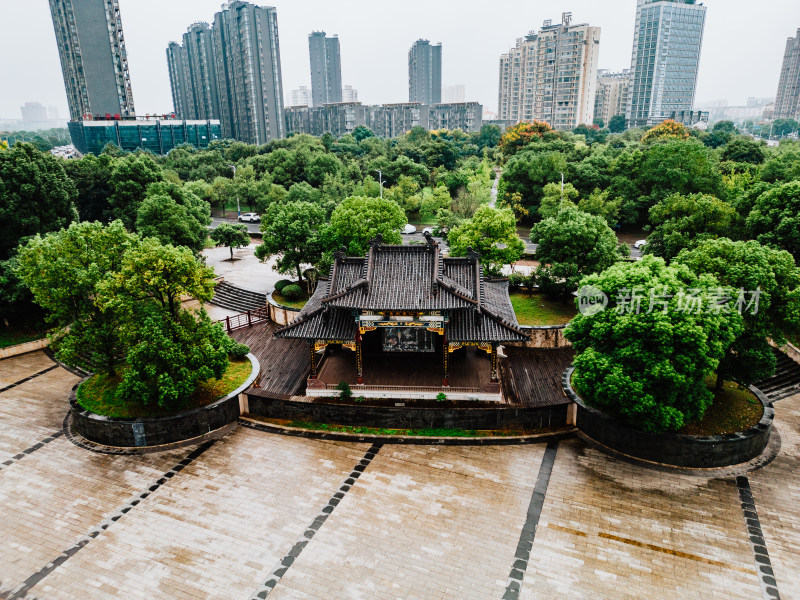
<point x="445" y="362"/>
<point x="313" y="360"/>
<point x="359" y="360"/>
<point x="494" y="363"/>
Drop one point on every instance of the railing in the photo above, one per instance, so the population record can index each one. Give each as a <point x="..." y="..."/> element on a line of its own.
<point x="251" y="317"/>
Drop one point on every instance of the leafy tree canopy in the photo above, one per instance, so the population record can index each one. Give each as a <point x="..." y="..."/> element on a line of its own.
<point x="775" y="219"/>
<point x="648" y="367"/>
<point x="493" y="233"/>
<point x="231" y="236"/>
<point x="292" y="232"/>
<point x="359" y="219"/>
<point x="174" y="215"/>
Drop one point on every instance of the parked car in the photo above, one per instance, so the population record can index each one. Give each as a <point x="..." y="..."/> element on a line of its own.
<point x="639" y="244"/>
<point x="250" y="218"/>
<point x="409" y="228"/>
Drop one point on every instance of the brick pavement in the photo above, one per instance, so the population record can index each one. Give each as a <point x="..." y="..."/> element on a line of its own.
<point x="426" y="522"/>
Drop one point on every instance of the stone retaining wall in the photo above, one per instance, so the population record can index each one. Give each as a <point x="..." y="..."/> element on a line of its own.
<point x="18" y="349"/>
<point x="262" y="404"/>
<point x="129" y="433"/>
<point x="672" y="448"/>
<point x="550" y="336"/>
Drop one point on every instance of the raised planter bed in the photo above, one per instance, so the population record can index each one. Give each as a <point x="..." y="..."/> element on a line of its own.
<point x="672" y="448"/>
<point x="156" y="431"/>
<point x="280" y="314"/>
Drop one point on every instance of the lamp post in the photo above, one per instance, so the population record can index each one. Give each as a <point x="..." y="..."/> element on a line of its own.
<point x="380" y="181"/>
<point x="238" y="208"/>
<point x="561" y="205"/>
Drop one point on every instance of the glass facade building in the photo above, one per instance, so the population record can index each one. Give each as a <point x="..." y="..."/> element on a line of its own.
<point x="158" y="136"/>
<point x="667" y="40"/>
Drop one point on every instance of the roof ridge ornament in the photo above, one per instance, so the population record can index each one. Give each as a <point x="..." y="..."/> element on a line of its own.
<point x="376" y="241"/>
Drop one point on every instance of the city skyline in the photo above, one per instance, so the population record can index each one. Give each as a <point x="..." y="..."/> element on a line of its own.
<point x="375" y="60"/>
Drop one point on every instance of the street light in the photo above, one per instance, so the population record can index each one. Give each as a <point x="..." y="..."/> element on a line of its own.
<point x="561" y="206"/>
<point x="380" y="180"/>
<point x="238" y="209"/>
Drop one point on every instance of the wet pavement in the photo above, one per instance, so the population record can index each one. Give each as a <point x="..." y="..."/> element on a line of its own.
<point x="260" y="515"/>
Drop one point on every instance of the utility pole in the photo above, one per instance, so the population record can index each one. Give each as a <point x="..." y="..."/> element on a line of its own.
<point x="380" y="180"/>
<point x="238" y="208"/>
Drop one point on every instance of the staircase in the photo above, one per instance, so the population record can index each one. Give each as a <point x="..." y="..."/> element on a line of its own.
<point x="235" y="298"/>
<point x="785" y="382"/>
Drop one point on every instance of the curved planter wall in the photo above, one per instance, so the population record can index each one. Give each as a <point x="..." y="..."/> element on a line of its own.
<point x="281" y="315"/>
<point x="262" y="403"/>
<point x="135" y="433"/>
<point x="672" y="448"/>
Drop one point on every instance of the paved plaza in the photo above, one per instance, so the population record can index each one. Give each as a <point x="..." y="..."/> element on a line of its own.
<point x="255" y="515"/>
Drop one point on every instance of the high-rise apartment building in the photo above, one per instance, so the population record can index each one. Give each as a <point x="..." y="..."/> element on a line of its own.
<point x="551" y="75"/>
<point x="93" y="57"/>
<point x="232" y="71"/>
<point x="787" y="103"/>
<point x="667" y="39"/>
<point x="195" y="93"/>
<point x="466" y="116"/>
<point x="326" y="68"/>
<point x="301" y="96"/>
<point x="349" y="94"/>
<point x="33" y="112"/>
<point x="425" y="73"/>
<point x="455" y="93"/>
<point x="611" y="98"/>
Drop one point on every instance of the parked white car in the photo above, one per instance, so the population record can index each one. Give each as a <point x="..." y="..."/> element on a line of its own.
<point x="639" y="244"/>
<point x="250" y="218"/>
<point x="409" y="228"/>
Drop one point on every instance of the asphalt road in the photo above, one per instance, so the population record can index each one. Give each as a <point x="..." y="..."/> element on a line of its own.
<point x="215" y="221"/>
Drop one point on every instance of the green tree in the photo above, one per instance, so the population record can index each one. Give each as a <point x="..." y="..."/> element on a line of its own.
<point x="158" y="274"/>
<point x="169" y="357"/>
<point x="63" y="270"/>
<point x="724" y="127"/>
<point x="616" y="124"/>
<point x="130" y="178"/>
<point x="775" y="219"/>
<point x="648" y="367"/>
<point x="292" y="232"/>
<point x="359" y="219"/>
<point x="493" y="233"/>
<point x="684" y="221"/>
<point x="92" y="178"/>
<point x="598" y="203"/>
<point x="435" y="199"/>
<point x="527" y="173"/>
<point x="571" y="245"/>
<point x="768" y="281"/>
<point x="231" y="236"/>
<point x="36" y="196"/>
<point x="174" y="215"/>
<point x="742" y="150"/>
<point x="553" y="201"/>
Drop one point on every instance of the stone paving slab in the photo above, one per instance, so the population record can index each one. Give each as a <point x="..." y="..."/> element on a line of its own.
<point x="17" y="367"/>
<point x="423" y="522"/>
<point x="776" y="490"/>
<point x="33" y="410"/>
<point x="611" y="529"/>
<point x="217" y="527"/>
<point x="57" y="494"/>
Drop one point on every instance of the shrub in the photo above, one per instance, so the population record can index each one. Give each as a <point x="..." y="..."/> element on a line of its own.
<point x="345" y="393"/>
<point x="516" y="281"/>
<point x="441" y="397"/>
<point x="282" y="284"/>
<point x="292" y="292"/>
<point x="239" y="351"/>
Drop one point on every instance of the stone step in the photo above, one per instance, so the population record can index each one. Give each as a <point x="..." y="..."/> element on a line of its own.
<point x="238" y="299"/>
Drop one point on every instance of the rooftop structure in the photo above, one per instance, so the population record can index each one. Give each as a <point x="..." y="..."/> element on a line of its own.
<point x="407" y="299"/>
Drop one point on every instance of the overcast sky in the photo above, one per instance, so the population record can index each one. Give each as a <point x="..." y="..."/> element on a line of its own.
<point x="742" y="48"/>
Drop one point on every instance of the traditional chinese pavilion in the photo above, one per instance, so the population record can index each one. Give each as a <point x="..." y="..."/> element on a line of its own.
<point x="407" y="299"/>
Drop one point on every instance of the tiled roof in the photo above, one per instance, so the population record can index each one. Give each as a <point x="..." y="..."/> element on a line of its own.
<point x="408" y="278"/>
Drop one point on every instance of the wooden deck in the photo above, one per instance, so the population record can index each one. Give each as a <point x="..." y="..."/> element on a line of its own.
<point x="285" y="364"/>
<point x="532" y="377"/>
<point x="469" y="368"/>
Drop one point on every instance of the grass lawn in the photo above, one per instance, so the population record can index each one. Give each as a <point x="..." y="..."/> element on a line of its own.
<point x="735" y="409"/>
<point x="97" y="394"/>
<point x="423" y="220"/>
<point x="282" y="300"/>
<point x="11" y="336"/>
<point x="538" y="309"/>
<point x="399" y="432"/>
